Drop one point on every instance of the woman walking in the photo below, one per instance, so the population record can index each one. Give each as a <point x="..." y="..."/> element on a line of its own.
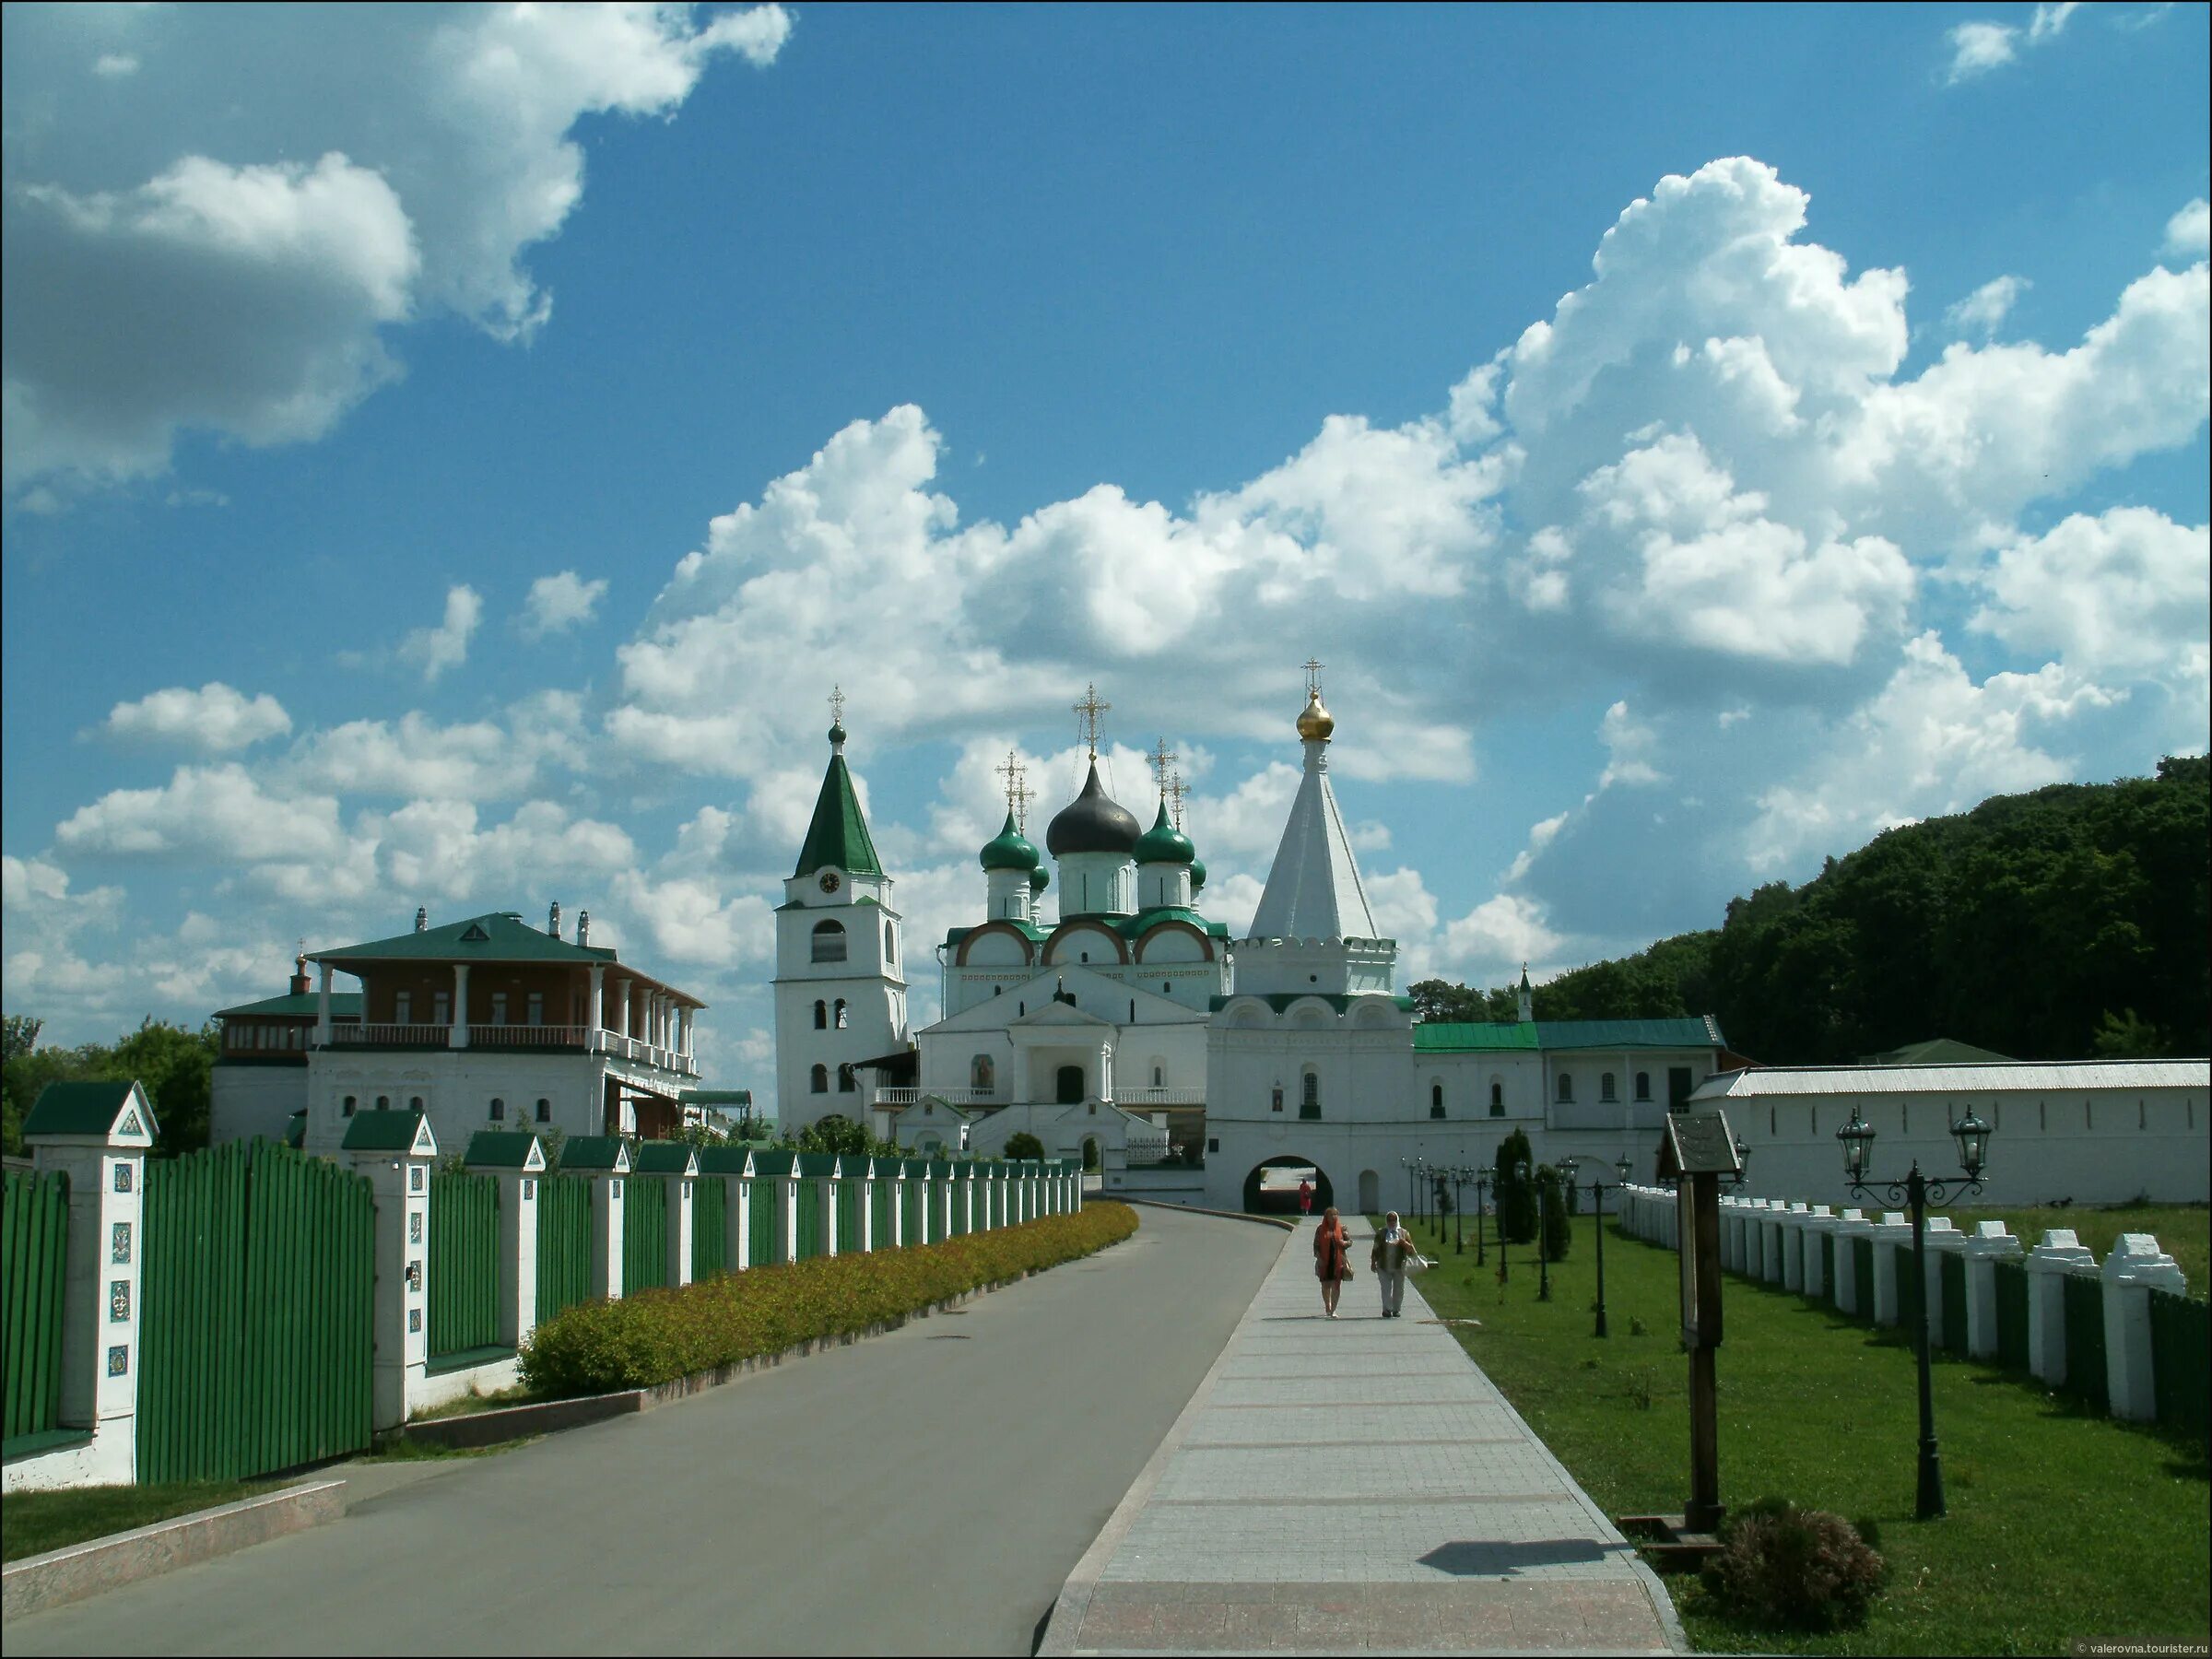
<point x="1331" y="1243"/>
<point x="1305" y="1198"/>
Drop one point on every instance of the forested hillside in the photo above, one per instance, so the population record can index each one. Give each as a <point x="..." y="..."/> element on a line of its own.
<point x="2064" y="923"/>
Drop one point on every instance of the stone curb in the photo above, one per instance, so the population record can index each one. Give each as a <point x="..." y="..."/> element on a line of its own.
<point x="1191" y="1209"/>
<point x="546" y="1416"/>
<point x="72" y="1573"/>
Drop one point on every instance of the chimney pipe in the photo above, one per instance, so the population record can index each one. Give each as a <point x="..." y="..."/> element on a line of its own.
<point x="583" y="927"/>
<point x="422" y="918"/>
<point x="553" y="920"/>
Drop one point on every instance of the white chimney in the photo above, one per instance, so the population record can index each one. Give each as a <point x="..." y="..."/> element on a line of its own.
<point x="583" y="929"/>
<point x="553" y="920"/>
<point x="422" y="918"/>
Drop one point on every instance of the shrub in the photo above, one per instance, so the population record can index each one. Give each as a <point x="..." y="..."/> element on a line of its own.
<point x="1024" y="1145"/>
<point x="659" y="1335"/>
<point x="1559" y="1231"/>
<point x="1516" y="1197"/>
<point x="1780" y="1565"/>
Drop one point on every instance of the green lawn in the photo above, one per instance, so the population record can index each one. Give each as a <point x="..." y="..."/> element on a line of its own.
<point x="2063" y="1525"/>
<point x="34" y="1523"/>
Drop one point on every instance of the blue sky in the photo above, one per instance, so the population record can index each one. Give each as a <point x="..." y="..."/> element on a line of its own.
<point x="452" y="452"/>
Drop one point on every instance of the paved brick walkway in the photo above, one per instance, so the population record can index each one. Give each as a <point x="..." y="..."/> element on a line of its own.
<point x="1355" y="1485"/>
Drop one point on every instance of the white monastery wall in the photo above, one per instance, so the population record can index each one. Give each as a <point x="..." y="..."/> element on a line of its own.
<point x="247" y="1100"/>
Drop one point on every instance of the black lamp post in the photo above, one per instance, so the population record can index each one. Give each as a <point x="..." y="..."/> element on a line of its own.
<point x="1542" y="1256"/>
<point x="1482" y="1179"/>
<point x="1459" y="1208"/>
<point x="1412" y="1182"/>
<point x="1597" y="1192"/>
<point x="1915" y="1190"/>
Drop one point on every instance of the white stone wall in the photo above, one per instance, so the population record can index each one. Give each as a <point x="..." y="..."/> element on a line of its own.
<point x="871" y="981"/>
<point x="457" y="1086"/>
<point x="247" y="1100"/>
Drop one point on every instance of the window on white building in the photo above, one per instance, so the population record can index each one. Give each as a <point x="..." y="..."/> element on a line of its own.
<point x="1605" y="1092"/>
<point x="1496" y="1098"/>
<point x="821" y="1014"/>
<point x="846" y="1083"/>
<point x="383" y="1102"/>
<point x="1436" y="1099"/>
<point x="841" y="1014"/>
<point x="1566" y="1086"/>
<point x="1309" y="1095"/>
<point x="345" y="1107"/>
<point x="890" y="942"/>
<point x="828" y="941"/>
<point x="498" y="1109"/>
<point x="817" y="1080"/>
<point x="545" y="1111"/>
<point x="1643" y="1086"/>
<point x="442" y="1010"/>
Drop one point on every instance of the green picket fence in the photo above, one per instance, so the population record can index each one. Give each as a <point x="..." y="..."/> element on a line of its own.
<point x="464" y="1262"/>
<point x="936" y="1210"/>
<point x="564" y="1243"/>
<point x="34" y="1232"/>
<point x="710" y="1226"/>
<point x="1950" y="1274"/>
<point x="257" y="1301"/>
<point x="765" y="1238"/>
<point x="848" y="1214"/>
<point x="2085" y="1337"/>
<point x="2012" y="1315"/>
<point x="2181" y="1348"/>
<point x="917" y="1200"/>
<point x="879" y="1221"/>
<point x="961" y="1202"/>
<point x="644" y="1234"/>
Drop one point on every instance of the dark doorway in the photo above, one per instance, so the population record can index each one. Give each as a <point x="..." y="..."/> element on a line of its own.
<point x="1069" y="1089"/>
<point x="1282" y="1200"/>
<point x="1679" y="1084"/>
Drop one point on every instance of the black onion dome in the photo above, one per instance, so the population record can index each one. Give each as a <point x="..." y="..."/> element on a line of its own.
<point x="1093" y="822"/>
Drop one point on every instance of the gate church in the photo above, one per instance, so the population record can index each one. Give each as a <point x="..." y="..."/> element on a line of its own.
<point x="1133" y="1021"/>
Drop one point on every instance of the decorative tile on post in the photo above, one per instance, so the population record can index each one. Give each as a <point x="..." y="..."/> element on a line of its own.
<point x="2050" y="1263"/>
<point x="1987" y="1245"/>
<point x="96" y="1134"/>
<point x="604" y="1161"/>
<point x="2135" y="1268"/>
<point x="519" y="1162"/>
<point x="395" y="1150"/>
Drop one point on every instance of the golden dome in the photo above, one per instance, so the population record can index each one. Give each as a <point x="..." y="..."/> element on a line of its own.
<point x="1315" y="723"/>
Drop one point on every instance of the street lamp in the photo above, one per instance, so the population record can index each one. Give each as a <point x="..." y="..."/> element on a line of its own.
<point x="1460" y="1173"/>
<point x="1483" y="1178"/>
<point x="1743" y="1158"/>
<point x="1597" y="1192"/>
<point x="1543" y="1254"/>
<point x="1857" y="1138"/>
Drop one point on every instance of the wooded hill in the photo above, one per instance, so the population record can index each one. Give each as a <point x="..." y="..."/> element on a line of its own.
<point x="2066" y="923"/>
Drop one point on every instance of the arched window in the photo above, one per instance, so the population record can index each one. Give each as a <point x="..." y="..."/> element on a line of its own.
<point x="1278" y="1100"/>
<point x="1309" y="1095"/>
<point x="383" y="1102"/>
<point x="845" y="1084"/>
<point x="890" y="944"/>
<point x="817" y="1080"/>
<point x="982" y="1076"/>
<point x="1566" y="1086"/>
<point x="1436" y="1099"/>
<point x="498" y="1109"/>
<point x="1496" y="1098"/>
<point x="821" y="1014"/>
<point x="828" y="941"/>
<point x="1605" y="1092"/>
<point x="1159" y="1075"/>
<point x="346" y="1109"/>
<point x="840" y="1020"/>
<point x="1643" y="1086"/>
<point x="545" y="1111"/>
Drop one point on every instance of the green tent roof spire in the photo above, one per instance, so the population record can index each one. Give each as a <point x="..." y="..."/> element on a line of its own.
<point x="838" y="838"/>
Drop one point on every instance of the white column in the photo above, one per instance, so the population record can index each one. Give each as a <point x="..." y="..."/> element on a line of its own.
<point x="1851" y="1296"/>
<point x="596" y="1017"/>
<point x="518" y="1245"/>
<point x="1942" y="1239"/>
<point x="679" y="1228"/>
<point x="1105" y="1071"/>
<point x="622" y="1008"/>
<point x="1987" y="1245"/>
<point x="1793" y="1249"/>
<point x="458" y="1036"/>
<point x="1820" y="1223"/>
<point x="606" y="1232"/>
<point x="400" y="1183"/>
<point x="736" y="1216"/>
<point x="787" y="1214"/>
<point x="323" y="1006"/>
<point x="104" y="1255"/>
<point x="2135" y="1267"/>
<point x="1892" y="1241"/>
<point x="832" y="1243"/>
<point x="2048" y="1263"/>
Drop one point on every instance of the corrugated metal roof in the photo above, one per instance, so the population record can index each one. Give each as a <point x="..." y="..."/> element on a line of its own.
<point x="1445" y="1037"/>
<point x="343" y="1005"/>
<point x="2016" y="1077"/>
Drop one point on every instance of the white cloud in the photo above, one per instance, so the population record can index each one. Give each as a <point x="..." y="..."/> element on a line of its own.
<point x="217" y="813"/>
<point x="560" y="602"/>
<point x="1977" y="47"/>
<point x="417" y="758"/>
<point x="446" y="646"/>
<point x="174" y="260"/>
<point x="213" y="720"/>
<point x="1488" y="944"/>
<point x="2051" y="18"/>
<point x="1984" y="311"/>
<point x="2189" y="232"/>
<point x="2126" y="593"/>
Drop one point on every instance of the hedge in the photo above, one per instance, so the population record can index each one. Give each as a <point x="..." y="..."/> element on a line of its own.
<point x="659" y="1335"/>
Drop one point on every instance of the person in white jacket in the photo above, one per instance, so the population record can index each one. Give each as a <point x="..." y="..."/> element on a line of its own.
<point x="1392" y="1255"/>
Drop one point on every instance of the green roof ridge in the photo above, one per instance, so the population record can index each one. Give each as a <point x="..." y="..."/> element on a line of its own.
<point x="838" y="838"/>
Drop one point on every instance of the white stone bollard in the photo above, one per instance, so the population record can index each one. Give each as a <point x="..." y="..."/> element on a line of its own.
<point x="98" y="1135"/>
<point x="1892" y="1258"/>
<point x="2049" y="1265"/>
<point x="1942" y="1237"/>
<point x="1987" y="1245"/>
<point x="2135" y="1267"/>
<point x="518" y="1162"/>
<point x="1793" y="1249"/>
<point x="395" y="1150"/>
<point x="1852" y="1297"/>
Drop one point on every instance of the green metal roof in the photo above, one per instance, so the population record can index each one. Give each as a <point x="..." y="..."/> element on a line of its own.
<point x="498" y="936"/>
<point x="80" y="1108"/>
<point x="502" y="1149"/>
<point x="1030" y="930"/>
<point x="343" y="1005"/>
<point x="722" y="1161"/>
<point x="816" y="1166"/>
<point x="838" y="838"/>
<point x="383" y="1132"/>
<point x="1145" y="919"/>
<point x="593" y="1152"/>
<point x="715" y="1097"/>
<point x="1009" y="848"/>
<point x="1554" y="1035"/>
<point x="778" y="1163"/>
<point x="917" y="1169"/>
<point x="663" y="1157"/>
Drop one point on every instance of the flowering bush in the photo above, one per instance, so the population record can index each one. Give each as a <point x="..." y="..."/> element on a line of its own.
<point x="1782" y="1565"/>
<point x="659" y="1335"/>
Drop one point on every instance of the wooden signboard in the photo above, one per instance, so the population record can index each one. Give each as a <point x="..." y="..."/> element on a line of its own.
<point x="1697" y="1152"/>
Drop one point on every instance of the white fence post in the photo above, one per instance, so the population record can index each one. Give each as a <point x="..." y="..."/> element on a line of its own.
<point x="1987" y="1245"/>
<point x="2135" y="1267"/>
<point x="605" y="1159"/>
<point x="2049" y="1265"/>
<point x="1820" y="1223"/>
<point x="395" y="1150"/>
<point x="518" y="1162"/>
<point x="1892" y="1241"/>
<point x="1852" y="1296"/>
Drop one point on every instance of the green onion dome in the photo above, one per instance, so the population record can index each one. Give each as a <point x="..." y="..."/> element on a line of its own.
<point x="1163" y="843"/>
<point x="1008" y="850"/>
<point x="1040" y="878"/>
<point x="1197" y="874"/>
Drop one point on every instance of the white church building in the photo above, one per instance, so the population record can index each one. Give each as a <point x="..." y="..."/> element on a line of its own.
<point x="1131" y="1021"/>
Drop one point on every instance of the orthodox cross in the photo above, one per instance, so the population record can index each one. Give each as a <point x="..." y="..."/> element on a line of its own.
<point x="1011" y="772"/>
<point x="1313" y="676"/>
<point x="1161" y="758"/>
<point x="1023" y="795"/>
<point x="837" y="705"/>
<point x="1176" y="789"/>
<point x="1087" y="714"/>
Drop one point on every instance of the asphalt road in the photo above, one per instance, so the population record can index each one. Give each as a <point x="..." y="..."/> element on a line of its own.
<point x="927" y="1492"/>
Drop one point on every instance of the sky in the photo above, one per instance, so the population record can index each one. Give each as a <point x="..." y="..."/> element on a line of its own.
<point x="452" y="453"/>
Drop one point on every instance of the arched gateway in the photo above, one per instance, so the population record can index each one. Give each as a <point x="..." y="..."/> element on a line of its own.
<point x="1260" y="1200"/>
